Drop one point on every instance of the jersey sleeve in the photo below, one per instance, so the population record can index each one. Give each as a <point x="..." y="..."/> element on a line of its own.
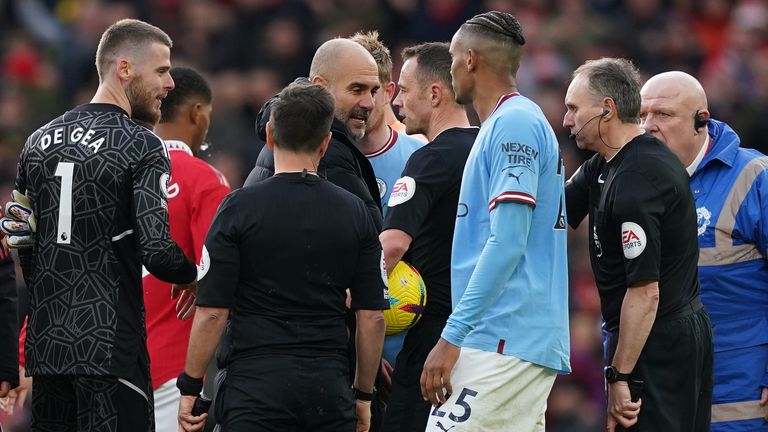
<point x="208" y="194"/>
<point x="513" y="160"/>
<point x="160" y="255"/>
<point x="638" y="209"/>
<point x="414" y="193"/>
<point x="220" y="262"/>
<point x="27" y="256"/>
<point x="577" y="194"/>
<point x="369" y="285"/>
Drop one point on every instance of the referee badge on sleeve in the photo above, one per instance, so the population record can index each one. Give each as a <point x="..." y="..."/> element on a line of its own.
<point x="402" y="191"/>
<point x="633" y="239"/>
<point x="205" y="264"/>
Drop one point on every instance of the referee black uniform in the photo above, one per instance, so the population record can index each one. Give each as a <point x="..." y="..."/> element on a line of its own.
<point x="642" y="225"/>
<point x="282" y="253"/>
<point x="428" y="214"/>
<point x="97" y="182"/>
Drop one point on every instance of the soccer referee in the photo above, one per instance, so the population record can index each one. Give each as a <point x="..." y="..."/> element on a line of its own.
<point x="280" y="255"/>
<point x="644" y="255"/>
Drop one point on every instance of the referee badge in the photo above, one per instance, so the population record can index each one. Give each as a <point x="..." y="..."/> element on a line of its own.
<point x="633" y="240"/>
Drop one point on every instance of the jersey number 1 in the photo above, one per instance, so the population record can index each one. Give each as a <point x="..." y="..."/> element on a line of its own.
<point x="66" y="171"/>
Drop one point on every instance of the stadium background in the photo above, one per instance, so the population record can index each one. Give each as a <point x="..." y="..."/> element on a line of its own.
<point x="249" y="49"/>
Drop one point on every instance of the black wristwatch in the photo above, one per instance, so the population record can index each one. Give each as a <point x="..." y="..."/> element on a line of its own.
<point x="612" y="375"/>
<point x="363" y="396"/>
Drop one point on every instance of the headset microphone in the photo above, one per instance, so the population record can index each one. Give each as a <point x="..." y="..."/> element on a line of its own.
<point x="602" y="114"/>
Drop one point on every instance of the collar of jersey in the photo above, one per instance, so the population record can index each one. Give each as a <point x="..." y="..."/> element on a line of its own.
<point x="725" y="144"/>
<point x="175" y="145"/>
<point x="101" y="107"/>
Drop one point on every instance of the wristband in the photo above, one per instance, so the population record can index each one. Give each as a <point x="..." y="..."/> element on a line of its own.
<point x="363" y="396"/>
<point x="189" y="386"/>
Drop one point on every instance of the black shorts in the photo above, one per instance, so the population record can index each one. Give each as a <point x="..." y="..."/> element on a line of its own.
<point x="70" y="403"/>
<point x="676" y="368"/>
<point x="286" y="394"/>
<point x="407" y="410"/>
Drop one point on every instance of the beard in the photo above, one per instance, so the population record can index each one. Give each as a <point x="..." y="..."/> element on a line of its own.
<point x="142" y="103"/>
<point x="355" y="114"/>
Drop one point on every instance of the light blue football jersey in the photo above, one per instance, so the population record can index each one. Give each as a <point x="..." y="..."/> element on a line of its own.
<point x="515" y="160"/>
<point x="389" y="161"/>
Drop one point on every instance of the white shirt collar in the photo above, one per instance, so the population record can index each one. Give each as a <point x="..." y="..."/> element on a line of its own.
<point x="699" y="157"/>
<point x="175" y="145"/>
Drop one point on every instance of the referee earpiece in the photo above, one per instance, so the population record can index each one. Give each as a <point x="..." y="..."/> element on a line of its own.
<point x="699" y="121"/>
<point x="606" y="111"/>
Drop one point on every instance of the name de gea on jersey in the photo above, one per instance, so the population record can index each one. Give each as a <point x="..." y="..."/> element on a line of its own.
<point x="77" y="135"/>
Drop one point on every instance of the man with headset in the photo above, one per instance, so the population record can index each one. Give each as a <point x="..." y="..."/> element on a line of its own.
<point x="730" y="186"/>
<point x="643" y="253"/>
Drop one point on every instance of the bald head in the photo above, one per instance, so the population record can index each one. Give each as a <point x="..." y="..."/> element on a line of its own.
<point x="337" y="55"/>
<point x="350" y="73"/>
<point x="671" y="104"/>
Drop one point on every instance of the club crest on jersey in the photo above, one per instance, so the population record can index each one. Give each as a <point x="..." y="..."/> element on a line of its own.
<point x="402" y="191"/>
<point x="633" y="239"/>
<point x="703" y="218"/>
<point x="382" y="187"/>
<point x="205" y="264"/>
<point x="164" y="178"/>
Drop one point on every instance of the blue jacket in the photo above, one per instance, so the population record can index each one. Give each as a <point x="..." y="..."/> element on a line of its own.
<point x="730" y="187"/>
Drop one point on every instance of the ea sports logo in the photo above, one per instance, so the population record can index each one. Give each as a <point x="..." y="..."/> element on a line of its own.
<point x="632" y="239"/>
<point x="402" y="191"/>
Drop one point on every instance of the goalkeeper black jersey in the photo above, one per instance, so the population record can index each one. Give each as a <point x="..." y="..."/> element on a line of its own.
<point x="98" y="186"/>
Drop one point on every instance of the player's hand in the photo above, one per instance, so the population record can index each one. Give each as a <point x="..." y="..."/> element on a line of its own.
<point x="436" y="376"/>
<point x="384" y="387"/>
<point x="764" y="402"/>
<point x="363" y="414"/>
<point x="18" y="396"/>
<point x="185" y="305"/>
<point x="5" y="387"/>
<point x="188" y="422"/>
<point x="621" y="409"/>
<point x="19" y="222"/>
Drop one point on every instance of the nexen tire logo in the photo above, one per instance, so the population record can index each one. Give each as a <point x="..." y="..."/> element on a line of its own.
<point x="633" y="239"/>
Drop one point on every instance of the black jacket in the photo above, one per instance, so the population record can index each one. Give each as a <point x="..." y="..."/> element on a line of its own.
<point x="343" y="164"/>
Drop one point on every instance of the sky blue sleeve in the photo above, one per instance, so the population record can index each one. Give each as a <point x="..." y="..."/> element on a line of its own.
<point x="514" y="160"/>
<point x="510" y="224"/>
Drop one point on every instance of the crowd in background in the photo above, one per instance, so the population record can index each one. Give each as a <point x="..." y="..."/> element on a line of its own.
<point x="250" y="49"/>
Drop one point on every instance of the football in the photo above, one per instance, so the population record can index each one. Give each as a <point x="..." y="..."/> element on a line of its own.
<point x="407" y="298"/>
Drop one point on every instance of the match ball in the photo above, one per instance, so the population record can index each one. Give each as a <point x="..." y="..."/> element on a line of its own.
<point x="407" y="298"/>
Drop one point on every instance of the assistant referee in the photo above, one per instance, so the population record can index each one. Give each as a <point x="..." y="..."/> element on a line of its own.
<point x="280" y="255"/>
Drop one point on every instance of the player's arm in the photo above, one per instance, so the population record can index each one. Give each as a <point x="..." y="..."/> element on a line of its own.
<point x="160" y="255"/>
<point x="510" y="225"/>
<point x="368" y="292"/>
<point x="421" y="184"/>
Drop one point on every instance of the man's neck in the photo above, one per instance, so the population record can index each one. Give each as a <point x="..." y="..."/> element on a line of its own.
<point x="442" y="119"/>
<point x="375" y="139"/>
<point x="109" y="93"/>
<point x="287" y="161"/>
<point x="612" y="142"/>
<point x="173" y="131"/>
<point x="488" y="95"/>
<point x="697" y="155"/>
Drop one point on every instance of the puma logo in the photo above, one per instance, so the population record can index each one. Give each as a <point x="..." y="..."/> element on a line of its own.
<point x="440" y="425"/>
<point x="516" y="177"/>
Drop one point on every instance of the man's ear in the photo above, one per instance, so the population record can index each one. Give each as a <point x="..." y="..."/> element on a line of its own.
<point x="194" y="113"/>
<point x="390" y="88"/>
<point x="270" y="140"/>
<point x="435" y="94"/>
<point x="472" y="60"/>
<point x="317" y="79"/>
<point x="324" y="145"/>
<point x="123" y="68"/>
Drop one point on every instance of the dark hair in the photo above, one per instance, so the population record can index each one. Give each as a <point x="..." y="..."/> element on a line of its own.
<point x="126" y="33"/>
<point x="496" y="24"/>
<point x="189" y="86"/>
<point x="618" y="79"/>
<point x="301" y="117"/>
<point x="433" y="62"/>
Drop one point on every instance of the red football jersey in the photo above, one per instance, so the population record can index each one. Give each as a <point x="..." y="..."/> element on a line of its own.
<point x="195" y="191"/>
